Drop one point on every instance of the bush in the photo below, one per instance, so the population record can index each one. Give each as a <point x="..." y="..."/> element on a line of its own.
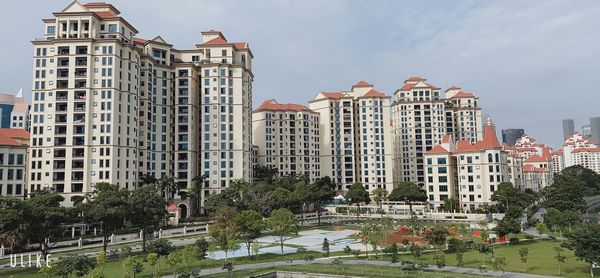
<point x="514" y="240"/>
<point x="529" y="237"/>
<point x="160" y="246"/>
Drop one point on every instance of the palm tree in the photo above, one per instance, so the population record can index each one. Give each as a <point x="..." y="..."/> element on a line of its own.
<point x="196" y="192"/>
<point x="168" y="187"/>
<point x="146" y="179"/>
<point x="380" y="195"/>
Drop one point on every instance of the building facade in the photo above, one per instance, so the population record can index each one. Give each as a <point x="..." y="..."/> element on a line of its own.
<point x="13" y="161"/>
<point x="14" y="111"/>
<point x="568" y="126"/>
<point x="287" y="139"/>
<point x="355" y="144"/>
<point x="421" y="116"/>
<point x="110" y="107"/>
<point x="510" y="136"/>
<point x="468" y="172"/>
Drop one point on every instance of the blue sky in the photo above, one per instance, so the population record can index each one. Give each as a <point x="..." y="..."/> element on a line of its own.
<point x="532" y="63"/>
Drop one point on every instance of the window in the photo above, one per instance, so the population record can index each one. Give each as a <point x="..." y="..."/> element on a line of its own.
<point x="51" y="30"/>
<point x="112" y="28"/>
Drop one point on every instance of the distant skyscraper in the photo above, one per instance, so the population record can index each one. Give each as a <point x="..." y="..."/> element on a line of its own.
<point x="568" y="128"/>
<point x="510" y="136"/>
<point x="595" y="130"/>
<point x="13" y="111"/>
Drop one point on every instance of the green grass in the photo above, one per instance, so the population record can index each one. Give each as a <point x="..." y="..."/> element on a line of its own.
<point x="353" y="270"/>
<point x="540" y="261"/>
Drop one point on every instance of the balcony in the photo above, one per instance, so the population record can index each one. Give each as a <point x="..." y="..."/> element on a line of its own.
<point x="63" y="50"/>
<point x="81" y="61"/>
<point x="62" y="73"/>
<point x="77" y="176"/>
<point x="78" y="152"/>
<point x="77" y="164"/>
<point x="78" y="141"/>
<point x="79" y="130"/>
<point x="62" y="96"/>
<point x="60" y="130"/>
<point x="62" y="84"/>
<point x="80" y="84"/>
<point x="59" y="165"/>
<point x="61" y="107"/>
<point x="60" y="141"/>
<point x="78" y="119"/>
<point x="61" y="119"/>
<point x="77" y="187"/>
<point x="62" y="62"/>
<point x="80" y="95"/>
<point x="79" y="107"/>
<point x="60" y="153"/>
<point x="81" y="50"/>
<point x="58" y="176"/>
<point x="81" y="73"/>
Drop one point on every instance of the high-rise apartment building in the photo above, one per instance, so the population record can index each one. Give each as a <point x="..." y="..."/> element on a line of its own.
<point x="510" y="136"/>
<point x="595" y="130"/>
<point x="355" y="132"/>
<point x="568" y="126"/>
<point x="421" y="117"/>
<point x="287" y="139"/>
<point x="110" y="107"/>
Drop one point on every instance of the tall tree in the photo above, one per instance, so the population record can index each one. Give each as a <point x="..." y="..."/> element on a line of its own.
<point x="409" y="193"/>
<point x="280" y="198"/>
<point x="147" y="209"/>
<point x="43" y="217"/>
<point x="301" y="195"/>
<point x="322" y="190"/>
<point x="264" y="173"/>
<point x="11" y="218"/>
<point x="168" y="187"/>
<point x="108" y="208"/>
<point x="590" y="178"/>
<point x="195" y="193"/>
<point x="566" y="193"/>
<point x="250" y="225"/>
<point x="451" y="204"/>
<point x="379" y="196"/>
<point x="356" y="195"/>
<point x="584" y="241"/>
<point x="224" y="230"/>
<point x="508" y="226"/>
<point x="282" y="223"/>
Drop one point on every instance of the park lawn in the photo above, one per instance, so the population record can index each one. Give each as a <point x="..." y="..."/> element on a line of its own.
<point x="352" y="270"/>
<point x="540" y="259"/>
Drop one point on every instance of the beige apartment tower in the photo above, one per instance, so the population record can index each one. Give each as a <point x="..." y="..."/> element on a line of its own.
<point x="112" y="107"/>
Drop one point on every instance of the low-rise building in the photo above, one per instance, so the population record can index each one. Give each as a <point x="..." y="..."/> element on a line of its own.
<point x="13" y="162"/>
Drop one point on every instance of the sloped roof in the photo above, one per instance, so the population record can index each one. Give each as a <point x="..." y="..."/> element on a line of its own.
<point x="537" y="158"/>
<point x="375" y="94"/>
<point x="489" y="141"/>
<point x="272" y="105"/>
<point x="362" y="83"/>
<point x="531" y="168"/>
<point x="581" y="150"/>
<point x="462" y="94"/>
<point x="13" y="137"/>
<point x="438" y="149"/>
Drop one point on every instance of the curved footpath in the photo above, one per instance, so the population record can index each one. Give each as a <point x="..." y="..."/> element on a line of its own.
<point x="452" y="269"/>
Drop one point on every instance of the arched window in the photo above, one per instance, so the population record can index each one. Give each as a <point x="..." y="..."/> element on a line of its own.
<point x="497" y="157"/>
<point x="490" y="157"/>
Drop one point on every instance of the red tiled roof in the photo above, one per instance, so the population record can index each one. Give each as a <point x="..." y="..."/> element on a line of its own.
<point x="272" y="105"/>
<point x="489" y="141"/>
<point x="415" y="78"/>
<point x="537" y="158"/>
<point x="446" y="138"/>
<point x="12" y="136"/>
<point x="363" y="83"/>
<point x="172" y="207"/>
<point x="374" y="93"/>
<point x="531" y="168"/>
<point x="559" y="152"/>
<point x="581" y="150"/>
<point x="240" y="45"/>
<point x="217" y="40"/>
<point x="333" y="95"/>
<point x="453" y="88"/>
<point x="105" y="14"/>
<point x="463" y="95"/>
<point x="139" y="40"/>
<point x="437" y="149"/>
<point x="407" y="86"/>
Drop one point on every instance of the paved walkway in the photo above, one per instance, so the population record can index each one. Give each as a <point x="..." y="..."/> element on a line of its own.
<point x="451" y="269"/>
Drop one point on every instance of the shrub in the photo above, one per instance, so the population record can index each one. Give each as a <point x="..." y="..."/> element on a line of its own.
<point x="160" y="246"/>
